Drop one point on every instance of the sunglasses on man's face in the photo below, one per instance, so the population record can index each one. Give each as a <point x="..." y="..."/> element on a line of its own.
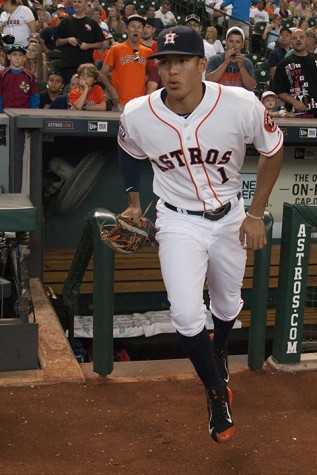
<point x="136" y="56"/>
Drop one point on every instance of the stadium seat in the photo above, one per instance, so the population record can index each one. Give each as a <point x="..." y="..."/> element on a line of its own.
<point x="54" y="65"/>
<point x="253" y="57"/>
<point x="261" y="65"/>
<point x="263" y="79"/>
<point x="41" y="85"/>
<point x="257" y="43"/>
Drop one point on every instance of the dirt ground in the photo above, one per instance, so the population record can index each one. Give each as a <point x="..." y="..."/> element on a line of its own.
<point x="159" y="427"/>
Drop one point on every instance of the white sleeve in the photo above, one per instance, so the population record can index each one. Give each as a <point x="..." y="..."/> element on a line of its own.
<point x="267" y="136"/>
<point x="126" y="142"/>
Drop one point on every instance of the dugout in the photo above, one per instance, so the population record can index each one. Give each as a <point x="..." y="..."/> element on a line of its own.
<point x="72" y="135"/>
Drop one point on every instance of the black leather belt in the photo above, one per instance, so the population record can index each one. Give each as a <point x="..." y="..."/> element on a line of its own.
<point x="211" y="215"/>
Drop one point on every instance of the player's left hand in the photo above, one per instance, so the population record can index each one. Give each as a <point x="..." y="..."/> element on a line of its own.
<point x="252" y="234"/>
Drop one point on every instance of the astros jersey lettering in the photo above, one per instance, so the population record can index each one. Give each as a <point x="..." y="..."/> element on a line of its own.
<point x="194" y="167"/>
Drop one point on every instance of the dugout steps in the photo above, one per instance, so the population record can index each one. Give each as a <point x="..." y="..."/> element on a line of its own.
<point x="57" y="363"/>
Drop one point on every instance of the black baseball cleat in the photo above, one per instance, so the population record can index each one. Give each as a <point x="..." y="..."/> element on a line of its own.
<point x="221" y="426"/>
<point x="221" y="360"/>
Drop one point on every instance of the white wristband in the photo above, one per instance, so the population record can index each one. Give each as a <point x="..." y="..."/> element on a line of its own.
<point x="253" y="217"/>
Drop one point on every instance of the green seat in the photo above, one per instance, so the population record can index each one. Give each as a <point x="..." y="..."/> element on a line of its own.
<point x="287" y="22"/>
<point x="261" y="65"/>
<point x="54" y="65"/>
<point x="254" y="57"/>
<point x="312" y="22"/>
<point x="53" y="54"/>
<point x="41" y="85"/>
<point x="258" y="28"/>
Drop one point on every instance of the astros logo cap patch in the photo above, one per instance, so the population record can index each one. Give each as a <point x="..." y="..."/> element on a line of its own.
<point x="181" y="40"/>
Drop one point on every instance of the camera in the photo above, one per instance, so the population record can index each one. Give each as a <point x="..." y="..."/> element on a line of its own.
<point x="7" y="39"/>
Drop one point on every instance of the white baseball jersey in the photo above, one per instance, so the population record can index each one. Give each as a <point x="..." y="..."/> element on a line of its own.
<point x="16" y="24"/>
<point x="194" y="167"/>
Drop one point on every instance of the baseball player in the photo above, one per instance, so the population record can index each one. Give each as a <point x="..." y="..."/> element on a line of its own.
<point x="195" y="135"/>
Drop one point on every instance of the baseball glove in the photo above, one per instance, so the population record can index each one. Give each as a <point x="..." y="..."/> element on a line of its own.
<point x="123" y="235"/>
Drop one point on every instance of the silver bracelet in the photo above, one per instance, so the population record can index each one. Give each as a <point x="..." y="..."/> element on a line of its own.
<point x="254" y="217"/>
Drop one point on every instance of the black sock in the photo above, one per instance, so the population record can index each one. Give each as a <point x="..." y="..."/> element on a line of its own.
<point x="198" y="349"/>
<point x="221" y="333"/>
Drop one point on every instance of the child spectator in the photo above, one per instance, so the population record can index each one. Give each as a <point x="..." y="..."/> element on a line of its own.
<point x="61" y="101"/>
<point x="18" y="86"/>
<point x="34" y="61"/>
<point x="88" y="95"/>
<point x="55" y="85"/>
<point x="269" y="100"/>
<point x="100" y="54"/>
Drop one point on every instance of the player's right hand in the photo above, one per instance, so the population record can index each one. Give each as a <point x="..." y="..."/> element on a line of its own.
<point x="72" y="41"/>
<point x="133" y="212"/>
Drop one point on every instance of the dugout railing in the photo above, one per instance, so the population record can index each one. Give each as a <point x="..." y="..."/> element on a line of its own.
<point x="298" y="228"/>
<point x="103" y="293"/>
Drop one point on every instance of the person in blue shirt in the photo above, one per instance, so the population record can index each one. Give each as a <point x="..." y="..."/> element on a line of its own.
<point x="240" y="16"/>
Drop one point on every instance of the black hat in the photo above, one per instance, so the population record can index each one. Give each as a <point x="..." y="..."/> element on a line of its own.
<point x="136" y="18"/>
<point x="16" y="47"/>
<point x="193" y="17"/>
<point x="150" y="21"/>
<point x="179" y="39"/>
<point x="284" y="28"/>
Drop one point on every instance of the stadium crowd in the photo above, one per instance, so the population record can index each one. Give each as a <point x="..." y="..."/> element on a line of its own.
<point x="268" y="47"/>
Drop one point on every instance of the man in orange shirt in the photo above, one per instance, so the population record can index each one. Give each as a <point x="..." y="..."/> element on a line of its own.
<point x="127" y="63"/>
<point x="147" y="36"/>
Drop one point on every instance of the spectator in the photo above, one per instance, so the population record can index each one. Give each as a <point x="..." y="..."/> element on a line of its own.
<point x="295" y="79"/>
<point x="283" y="9"/>
<point x="103" y="13"/>
<point x="17" y="20"/>
<point x="18" y="88"/>
<point x="120" y="5"/>
<point x="304" y="10"/>
<point x="232" y="68"/>
<point x="211" y="37"/>
<point x="240" y="16"/>
<point x="150" y="13"/>
<point x="69" y="7"/>
<point x="165" y="14"/>
<point x="88" y="95"/>
<point x="61" y="102"/>
<point x="128" y="77"/>
<point x="194" y="22"/>
<point x="128" y="11"/>
<point x="34" y="61"/>
<point x="154" y="81"/>
<point x="78" y="35"/>
<point x="217" y="15"/>
<point x="3" y="59"/>
<point x="283" y="46"/>
<point x="59" y="14"/>
<point x="312" y="40"/>
<point x="54" y="88"/>
<point x="114" y="21"/>
<point x="147" y="35"/>
<point x="96" y="15"/>
<point x="48" y="41"/>
<point x="272" y="32"/>
<point x="258" y="13"/>
<point x="100" y="54"/>
<point x="269" y="100"/>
